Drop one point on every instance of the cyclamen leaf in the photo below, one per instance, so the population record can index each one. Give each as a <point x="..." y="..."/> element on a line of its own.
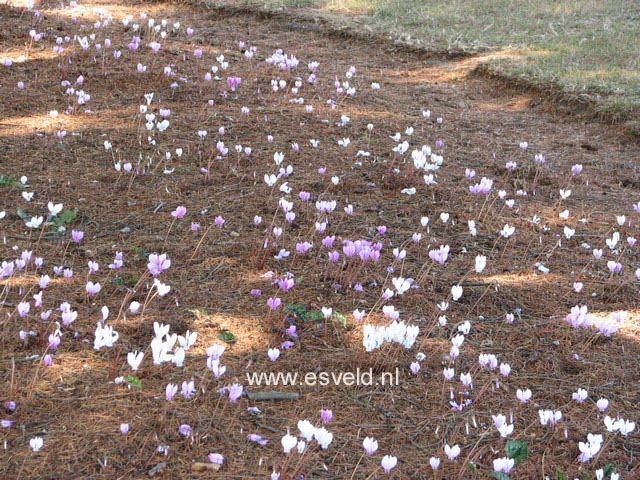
<point x="517" y="450"/>
<point x="560" y="475"/>
<point x="133" y="381"/>
<point x="67" y="217"/>
<point x="340" y="318"/>
<point x="227" y="336"/>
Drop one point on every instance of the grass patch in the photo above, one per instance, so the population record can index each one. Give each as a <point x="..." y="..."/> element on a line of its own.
<point x="580" y="46"/>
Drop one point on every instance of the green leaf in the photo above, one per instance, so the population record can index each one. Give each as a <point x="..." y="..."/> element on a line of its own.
<point x="9" y="181"/>
<point x="313" y="316"/>
<point x="472" y="468"/>
<point x="517" y="450"/>
<point x="340" y="319"/>
<point x="560" y="475"/>
<point x="133" y="381"/>
<point x="608" y="469"/>
<point x="501" y="476"/>
<point x="227" y="336"/>
<point x="117" y="281"/>
<point x="141" y="252"/>
<point x="304" y="315"/>
<point x="66" y="218"/>
<point x="297" y="310"/>
<point x="23" y="215"/>
<point x="200" y="314"/>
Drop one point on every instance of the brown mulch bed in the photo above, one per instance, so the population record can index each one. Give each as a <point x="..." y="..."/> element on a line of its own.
<point x="76" y="407"/>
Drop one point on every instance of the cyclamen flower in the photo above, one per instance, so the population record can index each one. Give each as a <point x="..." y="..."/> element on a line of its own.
<point x="451" y="452"/>
<point x="255" y="438"/>
<point x="288" y="441"/>
<point x="158" y="263"/>
<point x="235" y="392"/>
<point x="179" y="212"/>
<point x="233" y="82"/>
<point x="370" y="445"/>
<point x="440" y="255"/>
<point x="580" y="395"/>
<point x="481" y="188"/>
<point x="273" y="354"/>
<point x="388" y="462"/>
<point x="503" y="465"/>
<point x="326" y="415"/>
<point x="77" y="236"/>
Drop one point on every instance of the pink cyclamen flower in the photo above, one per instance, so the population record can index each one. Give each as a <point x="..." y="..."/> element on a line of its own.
<point x="233" y="82"/>
<point x="235" y="392"/>
<point x="219" y="221"/>
<point x="158" y="263"/>
<point x="216" y="458"/>
<point x="326" y="415"/>
<point x="255" y="438"/>
<point x="274" y="303"/>
<point x="179" y="212"/>
<point x="93" y="288"/>
<point x="77" y="236"/>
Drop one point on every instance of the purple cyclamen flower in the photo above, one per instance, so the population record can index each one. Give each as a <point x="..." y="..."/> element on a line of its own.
<point x="216" y="458"/>
<point x="219" y="221"/>
<point x="185" y="430"/>
<point x="77" y="236"/>
<point x="179" y="212"/>
<point x="158" y="263"/>
<point x="235" y="392"/>
<point x="233" y="82"/>
<point x="93" y="288"/>
<point x="171" y="391"/>
<point x="255" y="438"/>
<point x="326" y="415"/>
<point x="274" y="303"/>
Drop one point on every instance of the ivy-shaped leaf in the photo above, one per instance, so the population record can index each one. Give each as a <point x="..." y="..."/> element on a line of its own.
<point x="517" y="450"/>
<point x="340" y="319"/>
<point x="133" y="381"/>
<point x="227" y="336"/>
